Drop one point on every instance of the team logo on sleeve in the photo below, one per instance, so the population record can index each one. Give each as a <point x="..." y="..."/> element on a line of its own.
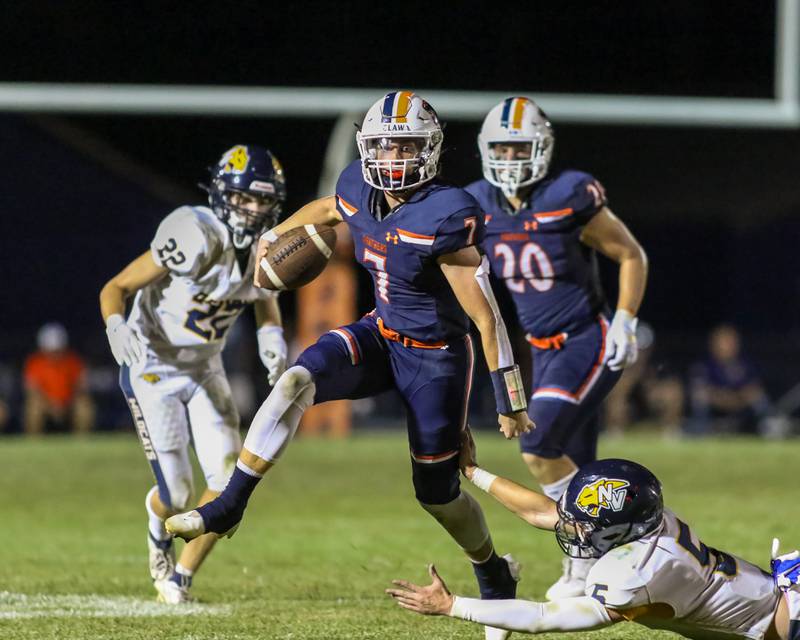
<point x="152" y="378"/>
<point x="604" y="493"/>
<point x="235" y="160"/>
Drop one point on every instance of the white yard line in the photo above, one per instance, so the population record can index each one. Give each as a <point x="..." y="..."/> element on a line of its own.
<point x="20" y="605"/>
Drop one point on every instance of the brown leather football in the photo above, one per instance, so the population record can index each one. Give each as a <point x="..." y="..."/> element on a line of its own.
<point x="296" y="257"/>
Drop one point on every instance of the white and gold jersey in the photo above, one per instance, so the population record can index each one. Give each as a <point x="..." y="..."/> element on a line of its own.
<point x="183" y="317"/>
<point x="712" y="594"/>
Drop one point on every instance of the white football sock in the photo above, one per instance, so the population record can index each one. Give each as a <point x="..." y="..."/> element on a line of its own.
<point x="154" y="522"/>
<point x="464" y="521"/>
<point x="556" y="489"/>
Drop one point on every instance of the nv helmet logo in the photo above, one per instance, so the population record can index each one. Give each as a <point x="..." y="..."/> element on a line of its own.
<point x="235" y="160"/>
<point x="604" y="493"/>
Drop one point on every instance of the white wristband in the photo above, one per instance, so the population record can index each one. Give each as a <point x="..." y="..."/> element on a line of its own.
<point x="113" y="321"/>
<point x="482" y="479"/>
<point x="266" y="329"/>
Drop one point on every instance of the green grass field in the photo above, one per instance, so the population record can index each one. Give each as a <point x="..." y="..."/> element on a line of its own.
<point x="324" y="534"/>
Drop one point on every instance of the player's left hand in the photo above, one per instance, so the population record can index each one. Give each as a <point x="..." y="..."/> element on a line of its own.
<point x="515" y="424"/>
<point x="272" y="351"/>
<point x="621" y="348"/>
<point x="433" y="600"/>
<point x="785" y="568"/>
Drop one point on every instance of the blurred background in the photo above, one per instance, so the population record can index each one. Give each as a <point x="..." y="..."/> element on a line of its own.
<point x="687" y="112"/>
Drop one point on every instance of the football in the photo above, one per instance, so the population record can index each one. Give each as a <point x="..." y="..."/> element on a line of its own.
<point x="296" y="257"/>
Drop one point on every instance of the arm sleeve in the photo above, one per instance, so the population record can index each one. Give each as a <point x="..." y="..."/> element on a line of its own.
<point x="464" y="228"/>
<point x="587" y="197"/>
<point x="569" y="614"/>
<point x="181" y="243"/>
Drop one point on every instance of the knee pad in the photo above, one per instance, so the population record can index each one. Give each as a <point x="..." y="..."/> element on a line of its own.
<point x="275" y="423"/>
<point x="436" y="483"/>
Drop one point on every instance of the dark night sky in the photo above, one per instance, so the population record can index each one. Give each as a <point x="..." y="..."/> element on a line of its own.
<point x="715" y="208"/>
<point x="681" y="47"/>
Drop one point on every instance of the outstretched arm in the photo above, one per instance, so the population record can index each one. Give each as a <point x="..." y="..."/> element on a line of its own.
<point x="569" y="614"/>
<point x="531" y="506"/>
<point x="466" y="272"/>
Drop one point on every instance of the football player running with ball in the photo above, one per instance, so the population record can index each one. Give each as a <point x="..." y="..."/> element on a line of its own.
<point x="190" y="287"/>
<point x="418" y="238"/>
<point x="651" y="567"/>
<point x="542" y="232"/>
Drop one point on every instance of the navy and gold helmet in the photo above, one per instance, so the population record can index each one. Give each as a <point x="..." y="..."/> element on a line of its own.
<point x="247" y="191"/>
<point x="607" y="504"/>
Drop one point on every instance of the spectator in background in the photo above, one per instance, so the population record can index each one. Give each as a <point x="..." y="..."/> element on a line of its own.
<point x="647" y="390"/>
<point x="55" y="389"/>
<point x="726" y="393"/>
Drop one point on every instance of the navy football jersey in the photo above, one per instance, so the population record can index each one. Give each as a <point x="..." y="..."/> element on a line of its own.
<point x="412" y="296"/>
<point x="538" y="255"/>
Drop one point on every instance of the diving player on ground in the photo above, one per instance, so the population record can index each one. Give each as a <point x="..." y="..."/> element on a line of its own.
<point x="650" y="567"/>
<point x="418" y="238"/>
<point x="190" y="287"/>
<point x="542" y="231"/>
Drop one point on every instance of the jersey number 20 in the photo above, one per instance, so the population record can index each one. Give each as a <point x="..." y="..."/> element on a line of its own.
<point x="530" y="253"/>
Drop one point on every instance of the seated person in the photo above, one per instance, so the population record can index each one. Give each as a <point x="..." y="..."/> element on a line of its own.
<point x="726" y="393"/>
<point x="55" y="386"/>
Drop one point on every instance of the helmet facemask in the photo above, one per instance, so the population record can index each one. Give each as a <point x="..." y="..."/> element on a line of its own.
<point x="585" y="539"/>
<point x="528" y="165"/>
<point x="399" y="173"/>
<point x="244" y="221"/>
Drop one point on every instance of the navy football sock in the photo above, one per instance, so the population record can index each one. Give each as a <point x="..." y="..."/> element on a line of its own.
<point x="226" y="510"/>
<point x="494" y="579"/>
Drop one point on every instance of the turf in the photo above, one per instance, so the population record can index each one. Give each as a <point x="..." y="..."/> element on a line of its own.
<point x="324" y="534"/>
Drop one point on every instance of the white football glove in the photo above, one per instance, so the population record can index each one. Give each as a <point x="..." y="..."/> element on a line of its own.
<point x="621" y="348"/>
<point x="125" y="345"/>
<point x="272" y="351"/>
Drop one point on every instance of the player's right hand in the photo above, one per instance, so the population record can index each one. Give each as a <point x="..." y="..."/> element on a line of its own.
<point x="515" y="424"/>
<point x="125" y="345"/>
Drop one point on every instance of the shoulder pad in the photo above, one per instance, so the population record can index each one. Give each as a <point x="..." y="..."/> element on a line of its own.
<point x="581" y="192"/>
<point x="183" y="241"/>
<point x="616" y="582"/>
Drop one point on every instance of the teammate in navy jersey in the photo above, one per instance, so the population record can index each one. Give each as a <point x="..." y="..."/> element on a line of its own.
<point x="418" y="238"/>
<point x="542" y="231"/>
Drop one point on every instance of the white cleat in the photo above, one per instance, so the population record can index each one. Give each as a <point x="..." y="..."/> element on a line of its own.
<point x="572" y="583"/>
<point x="162" y="557"/>
<point x="493" y="633"/>
<point x="170" y="592"/>
<point x="187" y="525"/>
